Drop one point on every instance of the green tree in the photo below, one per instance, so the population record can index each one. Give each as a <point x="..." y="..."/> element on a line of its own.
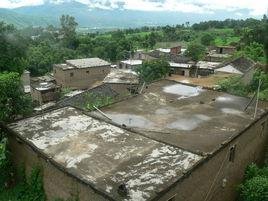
<point x="40" y="58"/>
<point x="255" y="52"/>
<point x="12" y="49"/>
<point x="68" y="31"/>
<point x="207" y="39"/>
<point x="196" y="51"/>
<point x="255" y="187"/>
<point x="13" y="101"/>
<point x="152" y="70"/>
<point x="152" y="39"/>
<point x="266" y="42"/>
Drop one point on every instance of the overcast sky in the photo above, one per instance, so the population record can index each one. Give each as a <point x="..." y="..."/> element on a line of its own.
<point x="254" y="7"/>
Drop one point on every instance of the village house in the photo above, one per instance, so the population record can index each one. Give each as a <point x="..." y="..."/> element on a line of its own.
<point x="192" y="69"/>
<point x="220" y="53"/>
<point x="205" y="68"/>
<point x="158" y="53"/>
<point x="131" y="64"/>
<point x="122" y="81"/>
<point x="172" y="50"/>
<point x="183" y="69"/>
<point x="180" y="143"/>
<point x="242" y="66"/>
<point x="81" y="73"/>
<point x="44" y="89"/>
<point x="225" y="49"/>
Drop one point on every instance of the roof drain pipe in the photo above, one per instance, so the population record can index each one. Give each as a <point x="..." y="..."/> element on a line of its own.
<point x="142" y="87"/>
<point x="102" y="113"/>
<point x="257" y="101"/>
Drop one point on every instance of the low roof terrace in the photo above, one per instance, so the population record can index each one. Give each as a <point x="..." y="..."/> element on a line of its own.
<point x="105" y="156"/>
<point x="192" y="118"/>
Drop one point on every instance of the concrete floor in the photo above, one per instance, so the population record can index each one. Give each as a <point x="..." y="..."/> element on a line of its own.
<point x="192" y="118"/>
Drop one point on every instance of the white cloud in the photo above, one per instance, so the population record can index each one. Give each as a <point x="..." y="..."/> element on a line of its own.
<point x="257" y="7"/>
<point x="19" y="3"/>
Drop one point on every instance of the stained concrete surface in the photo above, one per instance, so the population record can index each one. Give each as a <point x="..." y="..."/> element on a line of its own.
<point x="105" y="155"/>
<point x="189" y="117"/>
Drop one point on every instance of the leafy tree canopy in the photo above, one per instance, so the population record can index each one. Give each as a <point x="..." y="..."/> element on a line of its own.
<point x="68" y="31"/>
<point x="255" y="187"/>
<point x="12" y="49"/>
<point x="195" y="51"/>
<point x="13" y="101"/>
<point x="153" y="70"/>
<point x="207" y="39"/>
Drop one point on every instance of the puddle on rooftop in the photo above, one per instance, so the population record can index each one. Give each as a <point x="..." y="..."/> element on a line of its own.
<point x="162" y="111"/>
<point x="190" y="123"/>
<point x="232" y="111"/>
<point x="183" y="90"/>
<point x="228" y="101"/>
<point x="131" y="120"/>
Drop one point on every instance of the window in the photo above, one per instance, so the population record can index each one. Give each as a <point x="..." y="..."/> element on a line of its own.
<point x="232" y="153"/>
<point x="71" y="74"/>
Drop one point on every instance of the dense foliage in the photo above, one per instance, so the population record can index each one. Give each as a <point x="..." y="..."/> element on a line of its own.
<point x="234" y="85"/>
<point x="31" y="188"/>
<point x="24" y="188"/>
<point x="12" y="49"/>
<point x="6" y="169"/>
<point x="207" y="39"/>
<point x="13" y="101"/>
<point x="153" y="70"/>
<point x="255" y="186"/>
<point x="195" y="51"/>
<point x="98" y="101"/>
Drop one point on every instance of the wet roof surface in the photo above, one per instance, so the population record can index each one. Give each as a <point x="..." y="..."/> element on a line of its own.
<point x="105" y="155"/>
<point x="188" y="117"/>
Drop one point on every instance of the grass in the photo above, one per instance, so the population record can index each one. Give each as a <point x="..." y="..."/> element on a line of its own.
<point x="10" y="194"/>
<point x="227" y="40"/>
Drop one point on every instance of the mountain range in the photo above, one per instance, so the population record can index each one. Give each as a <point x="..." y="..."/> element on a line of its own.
<point x="49" y="13"/>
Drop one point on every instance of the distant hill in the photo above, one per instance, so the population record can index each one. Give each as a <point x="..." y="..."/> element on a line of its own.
<point x="49" y="13"/>
<point x="23" y="20"/>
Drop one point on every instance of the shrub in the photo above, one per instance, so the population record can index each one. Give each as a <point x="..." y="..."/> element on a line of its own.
<point x="255" y="187"/>
<point x="6" y="170"/>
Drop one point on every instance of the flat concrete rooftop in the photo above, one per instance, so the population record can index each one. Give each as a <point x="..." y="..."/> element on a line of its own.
<point x="188" y="117"/>
<point x="122" y="76"/>
<point x="106" y="156"/>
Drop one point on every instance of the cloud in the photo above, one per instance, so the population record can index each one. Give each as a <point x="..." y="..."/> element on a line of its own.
<point x="19" y="3"/>
<point x="255" y="8"/>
